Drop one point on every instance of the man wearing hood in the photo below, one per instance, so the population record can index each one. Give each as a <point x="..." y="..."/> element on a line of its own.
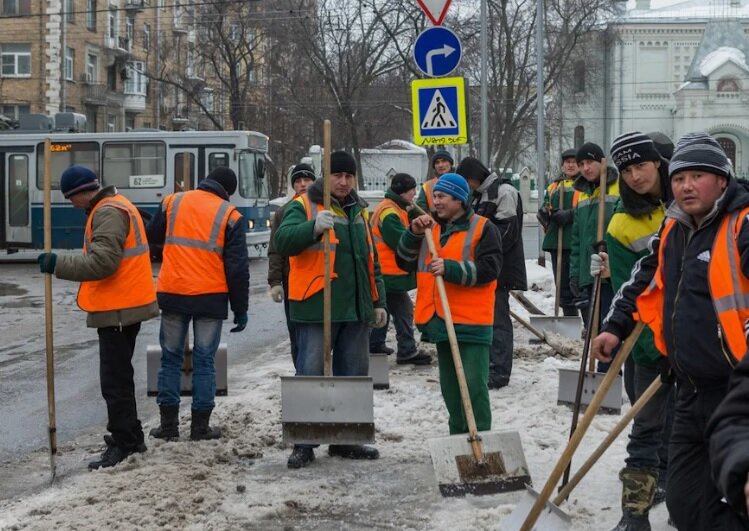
<point x="442" y="163"/>
<point x="495" y="198"/>
<point x="357" y="288"/>
<point x="645" y="192"/>
<point x="585" y="227"/>
<point x="689" y="290"/>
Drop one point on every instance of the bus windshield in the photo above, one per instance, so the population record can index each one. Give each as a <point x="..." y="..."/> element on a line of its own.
<point x="252" y="182"/>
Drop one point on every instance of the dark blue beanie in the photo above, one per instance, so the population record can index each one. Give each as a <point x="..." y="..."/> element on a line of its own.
<point x="454" y="185"/>
<point x="442" y="154"/>
<point x="77" y="179"/>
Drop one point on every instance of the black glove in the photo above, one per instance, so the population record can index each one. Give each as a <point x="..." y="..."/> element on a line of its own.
<point x="562" y="218"/>
<point x="240" y="319"/>
<point x="47" y="262"/>
<point x="668" y="376"/>
<point x="543" y="217"/>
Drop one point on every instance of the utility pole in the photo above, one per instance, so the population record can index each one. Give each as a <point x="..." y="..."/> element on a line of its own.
<point x="484" y="97"/>
<point x="541" y="164"/>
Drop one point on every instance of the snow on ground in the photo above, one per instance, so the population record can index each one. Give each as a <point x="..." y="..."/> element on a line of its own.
<point x="241" y="481"/>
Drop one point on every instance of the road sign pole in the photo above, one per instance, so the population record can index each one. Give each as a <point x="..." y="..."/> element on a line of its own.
<point x="484" y="95"/>
<point x="541" y="165"/>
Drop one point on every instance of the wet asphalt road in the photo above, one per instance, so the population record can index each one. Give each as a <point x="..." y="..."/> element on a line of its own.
<point x="79" y="406"/>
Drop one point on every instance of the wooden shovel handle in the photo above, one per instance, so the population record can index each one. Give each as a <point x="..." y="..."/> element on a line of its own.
<point x="48" y="328"/>
<point x="574" y="442"/>
<point x="602" y="185"/>
<point x="560" y="249"/>
<point x="326" y="299"/>
<point x="610" y="438"/>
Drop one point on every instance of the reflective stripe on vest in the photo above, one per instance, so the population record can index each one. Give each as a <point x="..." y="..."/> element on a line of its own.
<point x="193" y="262"/>
<point x="469" y="305"/>
<point x="131" y="285"/>
<point x="729" y="288"/>
<point x="386" y="255"/>
<point x="307" y="269"/>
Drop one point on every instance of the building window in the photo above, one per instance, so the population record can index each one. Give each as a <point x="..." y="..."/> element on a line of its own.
<point x="16" y="60"/>
<point x="15" y="111"/>
<point x="136" y="78"/>
<point x="112" y="27"/>
<point x="146" y="37"/>
<point x="69" y="63"/>
<point x="69" y="11"/>
<point x="728" y="85"/>
<point x="206" y="99"/>
<point x="16" y="7"/>
<point x="92" y="68"/>
<point x="129" y="31"/>
<point x="729" y="146"/>
<point x="579" y="136"/>
<point x="578" y="82"/>
<point x="129" y="122"/>
<point x="91" y="14"/>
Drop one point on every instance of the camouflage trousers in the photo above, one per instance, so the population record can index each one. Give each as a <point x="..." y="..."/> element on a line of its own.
<point x="638" y="490"/>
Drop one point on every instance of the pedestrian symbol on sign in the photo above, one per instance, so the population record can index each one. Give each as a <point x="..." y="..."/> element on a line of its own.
<point x="438" y="115"/>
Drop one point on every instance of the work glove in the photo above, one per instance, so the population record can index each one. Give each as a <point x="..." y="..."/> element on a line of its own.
<point x="543" y="217"/>
<point x="575" y="288"/>
<point x="47" y="262"/>
<point x="276" y="293"/>
<point x="240" y="319"/>
<point x="668" y="376"/>
<point x="599" y="265"/>
<point x="380" y="318"/>
<point x="562" y="218"/>
<point x="325" y="220"/>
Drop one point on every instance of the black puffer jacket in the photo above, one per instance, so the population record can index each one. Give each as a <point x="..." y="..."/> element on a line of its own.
<point x="697" y="353"/>
<point x="236" y="267"/>
<point x="499" y="201"/>
<point x="729" y="440"/>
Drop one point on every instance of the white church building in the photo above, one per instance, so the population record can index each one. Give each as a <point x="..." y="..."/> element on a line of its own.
<point x="667" y="65"/>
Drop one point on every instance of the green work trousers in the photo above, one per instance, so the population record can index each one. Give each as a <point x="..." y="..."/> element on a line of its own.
<point x="475" y="358"/>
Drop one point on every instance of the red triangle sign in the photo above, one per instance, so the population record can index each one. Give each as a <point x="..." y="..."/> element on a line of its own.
<point x="435" y="9"/>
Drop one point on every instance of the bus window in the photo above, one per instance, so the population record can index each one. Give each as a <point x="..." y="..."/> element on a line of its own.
<point x="18" y="190"/>
<point x="64" y="155"/>
<point x="179" y="168"/>
<point x="251" y="184"/>
<point x="217" y="159"/>
<point x="134" y="164"/>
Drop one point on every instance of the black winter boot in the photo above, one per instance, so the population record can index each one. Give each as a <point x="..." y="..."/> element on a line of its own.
<point x="353" y="451"/>
<point x="169" y="429"/>
<point x="300" y="457"/>
<point x="199" y="428"/>
<point x="633" y="522"/>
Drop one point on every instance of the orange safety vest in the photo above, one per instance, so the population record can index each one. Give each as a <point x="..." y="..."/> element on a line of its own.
<point x="729" y="288"/>
<point x="131" y="285"/>
<point x="471" y="305"/>
<point x="428" y="192"/>
<point x="307" y="269"/>
<point x="193" y="262"/>
<point x="388" y="266"/>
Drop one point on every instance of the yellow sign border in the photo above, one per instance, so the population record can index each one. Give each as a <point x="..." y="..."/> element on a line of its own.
<point x="443" y="82"/>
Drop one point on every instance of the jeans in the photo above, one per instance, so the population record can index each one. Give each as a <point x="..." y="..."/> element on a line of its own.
<point x="207" y="335"/>
<point x="565" y="293"/>
<point x="693" y="500"/>
<point x="400" y="310"/>
<point x="651" y="430"/>
<point x="350" y="342"/>
<point x="500" y="361"/>
<point x="116" y="347"/>
<point x="290" y="325"/>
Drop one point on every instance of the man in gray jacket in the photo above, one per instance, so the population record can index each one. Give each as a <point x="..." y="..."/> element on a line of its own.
<point x="118" y="293"/>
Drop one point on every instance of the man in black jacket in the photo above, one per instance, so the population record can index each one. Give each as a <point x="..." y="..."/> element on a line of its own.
<point x="688" y="262"/>
<point x="495" y="198"/>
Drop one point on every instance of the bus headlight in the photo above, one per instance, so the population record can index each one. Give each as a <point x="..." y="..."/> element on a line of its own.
<point x="251" y="224"/>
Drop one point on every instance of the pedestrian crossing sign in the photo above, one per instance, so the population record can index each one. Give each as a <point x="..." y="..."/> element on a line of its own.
<point x="439" y="111"/>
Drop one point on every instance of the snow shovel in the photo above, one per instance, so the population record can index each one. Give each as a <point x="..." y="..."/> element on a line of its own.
<point x="541" y="505"/>
<point x="563" y="325"/>
<point x="486" y="463"/>
<point x="51" y="415"/>
<point x="558" y="348"/>
<point x="327" y="409"/>
<point x="554" y="518"/>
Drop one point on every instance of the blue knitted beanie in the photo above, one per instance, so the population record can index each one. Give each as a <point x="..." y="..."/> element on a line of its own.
<point x="454" y="185"/>
<point x="77" y="179"/>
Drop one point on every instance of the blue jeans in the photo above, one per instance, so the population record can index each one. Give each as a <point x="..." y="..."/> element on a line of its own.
<point x="400" y="310"/>
<point x="207" y="335"/>
<point x="651" y="430"/>
<point x="350" y="342"/>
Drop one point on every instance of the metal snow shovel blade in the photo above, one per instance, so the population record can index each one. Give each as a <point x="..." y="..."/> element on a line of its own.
<point x="564" y="325"/>
<point x="327" y="409"/>
<point x="379" y="370"/>
<point x="474" y="463"/>
<point x="540" y="503"/>
<point x="153" y="364"/>
<point x="554" y="518"/>
<point x="568" y="378"/>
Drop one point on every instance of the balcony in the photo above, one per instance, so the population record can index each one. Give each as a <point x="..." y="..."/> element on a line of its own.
<point x="95" y="93"/>
<point x="135" y="6"/>
<point x="134" y="102"/>
<point x="119" y="46"/>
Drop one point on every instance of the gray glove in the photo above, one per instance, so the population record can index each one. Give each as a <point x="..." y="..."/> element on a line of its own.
<point x="325" y="220"/>
<point x="380" y="318"/>
<point x="276" y="293"/>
